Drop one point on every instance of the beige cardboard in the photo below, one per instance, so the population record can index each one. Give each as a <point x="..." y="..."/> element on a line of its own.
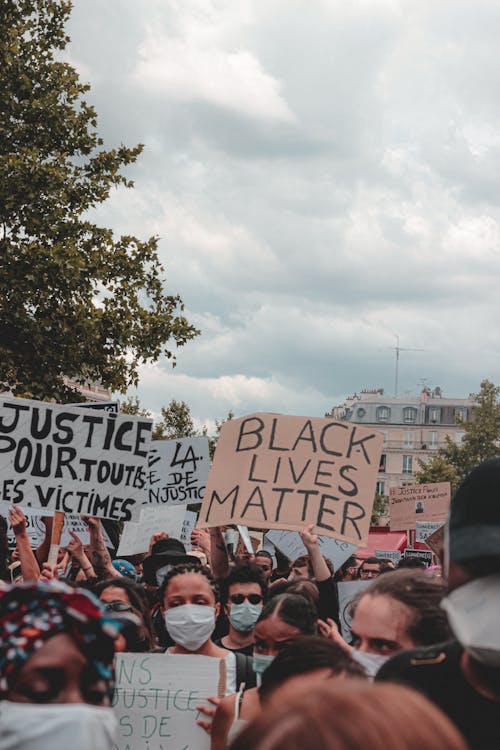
<point x="418" y="502"/>
<point x="272" y="471"/>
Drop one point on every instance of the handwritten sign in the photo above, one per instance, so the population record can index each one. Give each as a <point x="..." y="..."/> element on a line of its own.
<point x="290" y="544"/>
<point x="418" y="502"/>
<point x="178" y="471"/>
<point x="282" y="472"/>
<point x="73" y="460"/>
<point x="347" y="593"/>
<point x="425" y="529"/>
<point x="36" y="528"/>
<point x="156" y="697"/>
<point x="136" y="535"/>
<point x="436" y="541"/>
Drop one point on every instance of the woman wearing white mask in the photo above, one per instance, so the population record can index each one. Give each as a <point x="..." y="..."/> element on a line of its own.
<point x="190" y="602"/>
<point x="398" y="611"/>
<point x="283" y="620"/>
<point x="56" y="669"/>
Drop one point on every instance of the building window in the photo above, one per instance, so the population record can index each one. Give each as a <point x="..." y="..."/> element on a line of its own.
<point x="409" y="415"/>
<point x="381" y="466"/>
<point x="380" y="488"/>
<point x="407" y="464"/>
<point x="360" y="413"/>
<point x="435" y="414"/>
<point x="408" y="440"/>
<point x="383" y="414"/>
<point x="459" y="436"/>
<point x="459" y="413"/>
<point x="433" y="440"/>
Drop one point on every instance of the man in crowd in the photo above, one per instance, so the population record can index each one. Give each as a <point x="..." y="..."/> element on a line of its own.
<point x="243" y="594"/>
<point x="463" y="676"/>
<point x="369" y="568"/>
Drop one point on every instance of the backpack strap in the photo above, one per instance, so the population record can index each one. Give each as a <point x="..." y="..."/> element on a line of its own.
<point x="244" y="671"/>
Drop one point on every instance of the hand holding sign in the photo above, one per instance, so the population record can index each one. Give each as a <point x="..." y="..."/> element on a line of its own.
<point x="17" y="520"/>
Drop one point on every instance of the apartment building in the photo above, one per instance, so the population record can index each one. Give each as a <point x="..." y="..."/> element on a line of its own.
<point x="413" y="428"/>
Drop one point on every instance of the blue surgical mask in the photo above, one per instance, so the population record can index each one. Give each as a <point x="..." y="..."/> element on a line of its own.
<point x="244" y="616"/>
<point x="260" y="663"/>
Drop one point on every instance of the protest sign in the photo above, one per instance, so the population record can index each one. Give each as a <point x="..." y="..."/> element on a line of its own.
<point x="419" y="554"/>
<point x="113" y="406"/>
<point x="389" y="554"/>
<point x="156" y="697"/>
<point x="245" y="536"/>
<point x="63" y="458"/>
<point x="418" y="502"/>
<point x="425" y="529"/>
<point x="136" y="535"/>
<point x="290" y="544"/>
<point x="282" y="472"/>
<point x="178" y="471"/>
<point x="347" y="592"/>
<point x="436" y="542"/>
<point x="36" y="528"/>
<point x="188" y="525"/>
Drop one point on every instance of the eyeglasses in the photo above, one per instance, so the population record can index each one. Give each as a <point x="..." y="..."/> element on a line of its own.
<point x="118" y="606"/>
<point x="240" y="598"/>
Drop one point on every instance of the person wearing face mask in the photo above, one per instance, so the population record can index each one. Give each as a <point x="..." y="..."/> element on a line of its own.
<point x="283" y="620"/>
<point x="462" y="676"/>
<point x="56" y="669"/>
<point x="121" y="595"/>
<point x="399" y="610"/>
<point x="165" y="553"/>
<point x="243" y="594"/>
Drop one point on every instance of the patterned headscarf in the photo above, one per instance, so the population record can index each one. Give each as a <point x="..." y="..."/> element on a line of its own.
<point x="31" y="613"/>
<point x="125" y="569"/>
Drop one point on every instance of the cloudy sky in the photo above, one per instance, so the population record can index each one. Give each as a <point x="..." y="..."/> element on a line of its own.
<point x="323" y="175"/>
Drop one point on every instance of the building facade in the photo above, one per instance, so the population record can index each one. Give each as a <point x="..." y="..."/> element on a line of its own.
<point x="413" y="428"/>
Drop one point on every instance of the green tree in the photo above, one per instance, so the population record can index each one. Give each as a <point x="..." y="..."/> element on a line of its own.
<point x="380" y="509"/>
<point x="176" y="422"/>
<point x="74" y="300"/>
<point x="481" y="440"/>
<point x="213" y="439"/>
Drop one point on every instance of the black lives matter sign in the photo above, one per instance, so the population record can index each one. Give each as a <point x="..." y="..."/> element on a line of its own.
<point x="73" y="460"/>
<point x="284" y="472"/>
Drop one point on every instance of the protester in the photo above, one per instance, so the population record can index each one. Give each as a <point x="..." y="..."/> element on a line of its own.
<point x="462" y="676"/>
<point x="369" y="568"/>
<point x="347" y="715"/>
<point x="123" y="595"/>
<point x="399" y="610"/>
<point x="283" y="620"/>
<point x="29" y="564"/>
<point x="348" y="571"/>
<point x="243" y="594"/>
<point x="56" y="669"/>
<point x="416" y="563"/>
<point x="264" y="562"/>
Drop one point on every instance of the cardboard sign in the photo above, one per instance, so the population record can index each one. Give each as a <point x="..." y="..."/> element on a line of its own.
<point x="419" y="554"/>
<point x="290" y="544"/>
<point x="425" y="529"/>
<point x="156" y="697"/>
<point x="178" y="471"/>
<point x="436" y="542"/>
<point x="281" y="472"/>
<point x="418" y="502"/>
<point x="389" y="554"/>
<point x="73" y="460"/>
<point x="137" y="535"/>
<point x="347" y="593"/>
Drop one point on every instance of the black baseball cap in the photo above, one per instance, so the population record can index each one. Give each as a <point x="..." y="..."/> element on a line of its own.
<point x="474" y="520"/>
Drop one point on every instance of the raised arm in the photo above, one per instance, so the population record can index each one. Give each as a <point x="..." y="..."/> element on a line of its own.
<point x="99" y="556"/>
<point x="29" y="564"/>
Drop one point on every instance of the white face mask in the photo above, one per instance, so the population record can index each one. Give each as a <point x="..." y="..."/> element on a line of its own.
<point x="474" y="613"/>
<point x="371" y="663"/>
<point x="190" y="625"/>
<point x="79" y="726"/>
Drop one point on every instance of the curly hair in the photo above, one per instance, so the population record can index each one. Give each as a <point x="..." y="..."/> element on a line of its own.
<point x="182" y="569"/>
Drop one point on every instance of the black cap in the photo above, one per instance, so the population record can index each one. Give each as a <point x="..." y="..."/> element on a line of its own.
<point x="474" y="521"/>
<point x="165" y="551"/>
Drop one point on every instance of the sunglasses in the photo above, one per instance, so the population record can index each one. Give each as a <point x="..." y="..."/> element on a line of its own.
<point x="118" y="606"/>
<point x="240" y="598"/>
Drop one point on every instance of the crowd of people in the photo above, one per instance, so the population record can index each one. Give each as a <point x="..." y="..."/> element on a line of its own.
<point x="420" y="667"/>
